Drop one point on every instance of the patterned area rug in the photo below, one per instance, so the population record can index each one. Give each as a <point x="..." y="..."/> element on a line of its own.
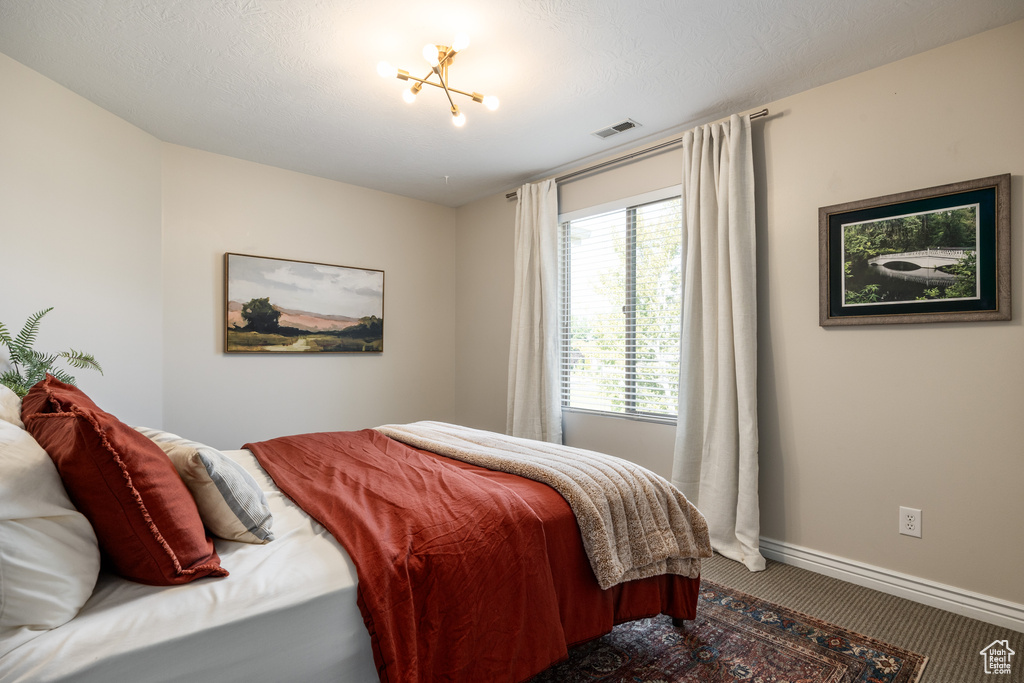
<point x="736" y="637"/>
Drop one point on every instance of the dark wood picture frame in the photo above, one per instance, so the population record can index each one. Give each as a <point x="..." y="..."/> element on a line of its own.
<point x="849" y="292"/>
<point x="278" y="306"/>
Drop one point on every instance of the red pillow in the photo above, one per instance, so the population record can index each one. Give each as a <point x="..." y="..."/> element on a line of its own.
<point x="146" y="521"/>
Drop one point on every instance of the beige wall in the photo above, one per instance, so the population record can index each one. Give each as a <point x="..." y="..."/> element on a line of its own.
<point x="856" y="422"/>
<point x="80" y="231"/>
<point x="483" y="271"/>
<point x="215" y="204"/>
<point x="853" y="422"/>
<point x="126" y="236"/>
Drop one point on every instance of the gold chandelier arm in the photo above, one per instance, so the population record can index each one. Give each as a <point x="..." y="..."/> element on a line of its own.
<point x="439" y="69"/>
<point x="475" y="96"/>
<point x="406" y="76"/>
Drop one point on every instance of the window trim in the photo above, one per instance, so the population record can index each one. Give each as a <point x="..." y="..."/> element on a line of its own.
<point x="636" y="417"/>
<point x="624" y="203"/>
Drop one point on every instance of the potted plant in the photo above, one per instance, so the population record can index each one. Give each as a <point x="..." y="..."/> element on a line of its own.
<point x="29" y="366"/>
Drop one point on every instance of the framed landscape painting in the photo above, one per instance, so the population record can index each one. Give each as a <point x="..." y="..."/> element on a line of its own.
<point x="282" y="306"/>
<point x="940" y="254"/>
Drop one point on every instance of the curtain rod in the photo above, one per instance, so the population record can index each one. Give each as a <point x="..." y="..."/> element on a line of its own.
<point x="514" y="193"/>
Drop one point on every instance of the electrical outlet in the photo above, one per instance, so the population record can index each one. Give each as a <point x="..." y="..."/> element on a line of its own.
<point x="910" y="522"/>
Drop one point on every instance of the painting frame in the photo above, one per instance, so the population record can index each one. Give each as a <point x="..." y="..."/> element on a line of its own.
<point x="988" y="197"/>
<point x="276" y="305"/>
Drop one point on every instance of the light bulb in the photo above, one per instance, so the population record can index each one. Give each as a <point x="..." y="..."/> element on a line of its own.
<point x="386" y="70"/>
<point x="459" y="120"/>
<point x="430" y="54"/>
<point x="409" y="96"/>
<point x="461" y="42"/>
<point x="491" y="102"/>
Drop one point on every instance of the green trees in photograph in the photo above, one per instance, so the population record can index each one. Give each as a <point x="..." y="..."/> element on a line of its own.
<point x="952" y="229"/>
<point x="949" y="229"/>
<point x="369" y="328"/>
<point x="966" y="272"/>
<point x="260" y="316"/>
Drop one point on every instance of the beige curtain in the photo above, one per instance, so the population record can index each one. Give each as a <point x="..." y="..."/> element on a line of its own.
<point x="715" y="460"/>
<point x="534" y="406"/>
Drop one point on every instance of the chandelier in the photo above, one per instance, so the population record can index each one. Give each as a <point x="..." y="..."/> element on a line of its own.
<point x="440" y="58"/>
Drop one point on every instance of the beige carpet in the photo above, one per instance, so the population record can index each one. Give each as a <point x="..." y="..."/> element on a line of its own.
<point x="951" y="642"/>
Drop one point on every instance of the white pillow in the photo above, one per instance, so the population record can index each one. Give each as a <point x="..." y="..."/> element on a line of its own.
<point x="230" y="501"/>
<point x="10" y="407"/>
<point x="49" y="558"/>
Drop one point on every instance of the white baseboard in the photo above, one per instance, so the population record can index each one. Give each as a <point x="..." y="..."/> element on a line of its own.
<point x="974" y="605"/>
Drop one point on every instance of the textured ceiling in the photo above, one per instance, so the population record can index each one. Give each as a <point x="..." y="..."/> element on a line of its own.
<point x="293" y="83"/>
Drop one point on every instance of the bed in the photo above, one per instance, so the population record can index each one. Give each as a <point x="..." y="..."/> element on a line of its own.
<point x="287" y="612"/>
<point x="292" y="609"/>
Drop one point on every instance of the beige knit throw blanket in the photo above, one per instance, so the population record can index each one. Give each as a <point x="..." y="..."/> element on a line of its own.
<point x="633" y="522"/>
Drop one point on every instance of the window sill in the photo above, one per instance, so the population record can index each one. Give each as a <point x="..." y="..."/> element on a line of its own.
<point x="636" y="417"/>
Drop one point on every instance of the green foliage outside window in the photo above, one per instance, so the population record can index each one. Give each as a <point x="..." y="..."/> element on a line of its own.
<point x="622" y="352"/>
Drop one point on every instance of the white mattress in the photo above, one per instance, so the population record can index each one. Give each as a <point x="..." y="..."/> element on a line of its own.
<point x="287" y="612"/>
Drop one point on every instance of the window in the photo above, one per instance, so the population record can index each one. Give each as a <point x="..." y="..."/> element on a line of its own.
<point x="621" y="285"/>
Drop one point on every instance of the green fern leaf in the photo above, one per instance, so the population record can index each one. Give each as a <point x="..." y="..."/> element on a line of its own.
<point x="10" y="378"/>
<point x="34" y="375"/>
<point x="13" y="381"/>
<point x="80" y="359"/>
<point x="15" y="352"/>
<point x="37" y="360"/>
<point x="62" y="376"/>
<point x="36" y="365"/>
<point x="30" y="366"/>
<point x="39" y="357"/>
<point x="27" y="337"/>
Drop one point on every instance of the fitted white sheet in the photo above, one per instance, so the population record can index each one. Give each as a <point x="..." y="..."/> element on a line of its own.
<point x="287" y="612"/>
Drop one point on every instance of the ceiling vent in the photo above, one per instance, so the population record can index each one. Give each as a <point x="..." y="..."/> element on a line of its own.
<point x="620" y="127"/>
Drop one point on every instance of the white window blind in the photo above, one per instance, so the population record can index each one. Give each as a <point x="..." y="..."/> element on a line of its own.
<point x="621" y="284"/>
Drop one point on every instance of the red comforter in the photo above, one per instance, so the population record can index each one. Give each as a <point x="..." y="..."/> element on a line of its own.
<point x="464" y="574"/>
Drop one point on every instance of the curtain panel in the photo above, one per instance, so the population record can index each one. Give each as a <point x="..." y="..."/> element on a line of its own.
<point x="534" y="402"/>
<point x="716" y="448"/>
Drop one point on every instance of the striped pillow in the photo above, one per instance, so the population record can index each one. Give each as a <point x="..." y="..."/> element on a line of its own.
<point x="230" y="502"/>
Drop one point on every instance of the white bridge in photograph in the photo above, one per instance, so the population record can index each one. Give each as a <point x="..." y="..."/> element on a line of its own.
<point x="933" y="257"/>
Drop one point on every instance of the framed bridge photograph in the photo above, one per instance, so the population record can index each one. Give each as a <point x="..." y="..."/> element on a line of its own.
<point x="941" y="254"/>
